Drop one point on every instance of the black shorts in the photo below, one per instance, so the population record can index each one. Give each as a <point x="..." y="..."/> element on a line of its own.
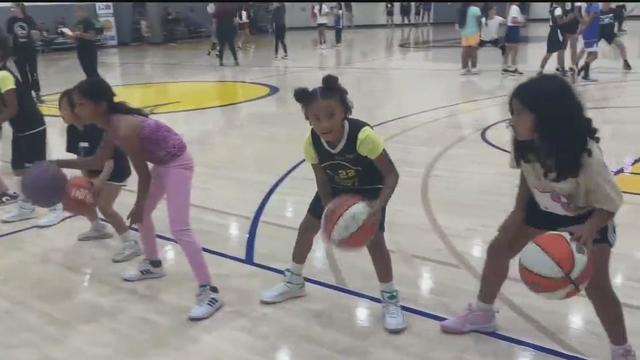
<point x="512" y="36"/>
<point x="555" y="41"/>
<point x="316" y="209"/>
<point x="539" y="219"/>
<point x="119" y="175"/>
<point x="570" y="28"/>
<point x="609" y="38"/>
<point x="494" y="42"/>
<point x="28" y="149"/>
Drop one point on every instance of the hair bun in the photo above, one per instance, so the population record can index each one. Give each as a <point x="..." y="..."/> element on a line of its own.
<point x="331" y="81"/>
<point x="302" y="95"/>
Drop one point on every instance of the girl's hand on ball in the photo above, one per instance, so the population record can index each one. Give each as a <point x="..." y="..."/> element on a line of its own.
<point x="376" y="210"/>
<point x="582" y="234"/>
<point x="98" y="185"/>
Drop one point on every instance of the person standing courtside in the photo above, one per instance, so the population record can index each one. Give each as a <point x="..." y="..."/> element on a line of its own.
<point x="85" y="37"/>
<point x="22" y="29"/>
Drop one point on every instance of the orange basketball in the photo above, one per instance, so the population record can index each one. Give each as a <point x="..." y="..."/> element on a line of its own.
<point x="553" y="267"/>
<point x="78" y="197"/>
<point x="346" y="223"/>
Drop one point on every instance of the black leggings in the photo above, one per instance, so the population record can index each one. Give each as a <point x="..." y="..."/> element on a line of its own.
<point x="227" y="37"/>
<point x="619" y="15"/>
<point x="27" y="65"/>
<point x="280" y="31"/>
<point x="89" y="62"/>
<point x="338" y="34"/>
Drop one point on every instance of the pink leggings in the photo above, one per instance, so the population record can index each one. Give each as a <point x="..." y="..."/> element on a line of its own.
<point x="174" y="179"/>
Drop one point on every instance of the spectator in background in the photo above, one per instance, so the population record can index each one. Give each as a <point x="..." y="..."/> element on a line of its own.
<point x="426" y="10"/>
<point x="405" y="12"/>
<point x="338" y="23"/>
<point x="169" y="22"/>
<point x="348" y="8"/>
<point x="85" y="37"/>
<point x="280" y="28"/>
<point x="621" y="10"/>
<point x="211" y="9"/>
<point x="244" y="17"/>
<point x="23" y="30"/>
<point x="469" y="23"/>
<point x="389" y="10"/>
<point x="61" y="23"/>
<point x="226" y="31"/>
<point x="417" y="10"/>
<point x="320" y="13"/>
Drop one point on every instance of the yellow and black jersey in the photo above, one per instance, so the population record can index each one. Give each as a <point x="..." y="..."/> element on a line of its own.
<point x="350" y="164"/>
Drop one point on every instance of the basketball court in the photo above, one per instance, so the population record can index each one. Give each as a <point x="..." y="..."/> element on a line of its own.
<point x="61" y="299"/>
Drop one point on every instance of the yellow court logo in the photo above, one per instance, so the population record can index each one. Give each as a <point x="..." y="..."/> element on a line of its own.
<point x="629" y="181"/>
<point x="170" y="97"/>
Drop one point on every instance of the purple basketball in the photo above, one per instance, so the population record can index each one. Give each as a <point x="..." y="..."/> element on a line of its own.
<point x="44" y="184"/>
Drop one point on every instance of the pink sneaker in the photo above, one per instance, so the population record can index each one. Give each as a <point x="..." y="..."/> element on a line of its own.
<point x="472" y="320"/>
<point x="623" y="354"/>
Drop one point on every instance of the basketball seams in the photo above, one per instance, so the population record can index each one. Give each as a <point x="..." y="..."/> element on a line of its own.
<point x="566" y="275"/>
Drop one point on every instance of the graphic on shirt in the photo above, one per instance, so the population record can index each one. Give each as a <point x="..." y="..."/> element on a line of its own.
<point x="170" y="97"/>
<point x="342" y="173"/>
<point x="21" y="29"/>
<point x="553" y="201"/>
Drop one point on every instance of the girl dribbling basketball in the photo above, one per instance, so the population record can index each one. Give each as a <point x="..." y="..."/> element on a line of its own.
<point x="347" y="157"/>
<point x="83" y="140"/>
<point x="565" y="185"/>
<point x="146" y="141"/>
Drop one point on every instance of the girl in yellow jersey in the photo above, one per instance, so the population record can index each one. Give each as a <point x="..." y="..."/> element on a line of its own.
<point x="347" y="157"/>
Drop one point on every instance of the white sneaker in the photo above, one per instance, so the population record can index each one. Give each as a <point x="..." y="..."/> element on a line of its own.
<point x="54" y="217"/>
<point x="623" y="354"/>
<point x="207" y="303"/>
<point x="292" y="287"/>
<point x="393" y="317"/>
<point x="130" y="249"/>
<point x="22" y="211"/>
<point x="475" y="71"/>
<point x="466" y="71"/>
<point x="626" y="353"/>
<point x="98" y="231"/>
<point x="143" y="272"/>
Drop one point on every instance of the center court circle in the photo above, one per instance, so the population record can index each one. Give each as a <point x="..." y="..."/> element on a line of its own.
<point x="179" y="96"/>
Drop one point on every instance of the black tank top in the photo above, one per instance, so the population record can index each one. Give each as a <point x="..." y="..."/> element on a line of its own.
<point x="348" y="169"/>
<point x="28" y="117"/>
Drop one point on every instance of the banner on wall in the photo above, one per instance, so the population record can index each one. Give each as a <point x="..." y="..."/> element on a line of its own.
<point x="105" y="16"/>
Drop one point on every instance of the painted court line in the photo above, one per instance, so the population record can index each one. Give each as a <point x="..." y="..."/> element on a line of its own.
<point x="361" y="295"/>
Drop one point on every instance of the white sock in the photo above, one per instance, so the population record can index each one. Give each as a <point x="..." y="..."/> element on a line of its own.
<point x="620" y="347"/>
<point x="388" y="287"/>
<point x="296" y="269"/>
<point x="484" y="307"/>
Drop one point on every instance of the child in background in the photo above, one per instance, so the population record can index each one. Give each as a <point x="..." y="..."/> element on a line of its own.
<point x="338" y="23"/>
<point x="490" y="28"/>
